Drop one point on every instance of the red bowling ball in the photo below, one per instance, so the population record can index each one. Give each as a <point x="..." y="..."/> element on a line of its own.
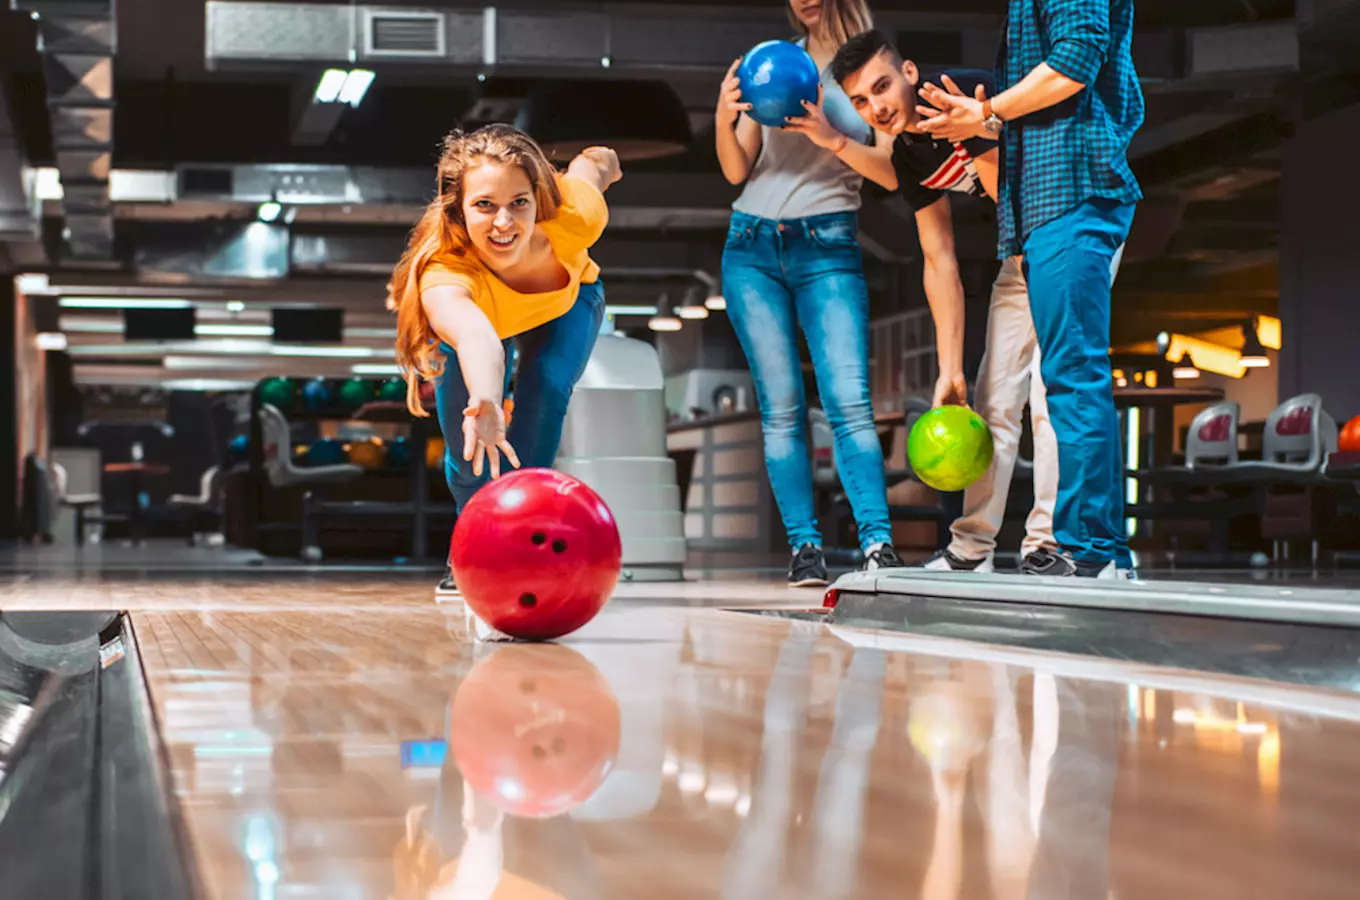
<point x="1349" y="440"/>
<point x="536" y="554"/>
<point x="534" y="729"/>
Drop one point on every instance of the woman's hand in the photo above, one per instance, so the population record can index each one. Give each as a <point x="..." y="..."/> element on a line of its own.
<point x="730" y="106"/>
<point x="484" y="426"/>
<point x="608" y="162"/>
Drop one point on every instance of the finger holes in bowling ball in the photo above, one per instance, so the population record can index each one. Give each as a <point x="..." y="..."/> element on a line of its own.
<point x="539" y="753"/>
<point x="528" y="601"/>
<point x="559" y="746"/>
<point x="539" y="539"/>
<point x="559" y="546"/>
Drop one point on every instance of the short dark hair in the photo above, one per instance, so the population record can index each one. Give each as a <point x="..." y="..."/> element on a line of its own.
<point x="856" y="53"/>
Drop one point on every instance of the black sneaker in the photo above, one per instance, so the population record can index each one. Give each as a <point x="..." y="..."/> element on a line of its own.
<point x="882" y="556"/>
<point x="447" y="586"/>
<point x="945" y="561"/>
<point x="1057" y="565"/>
<point x="808" y="568"/>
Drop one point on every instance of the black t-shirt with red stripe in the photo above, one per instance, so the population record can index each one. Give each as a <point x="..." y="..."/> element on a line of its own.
<point x="927" y="168"/>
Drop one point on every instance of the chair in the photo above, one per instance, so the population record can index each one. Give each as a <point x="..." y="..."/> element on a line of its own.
<point x="278" y="460"/>
<point x="1211" y="445"/>
<point x="77" y="476"/>
<point x="203" y="510"/>
<point x="1297" y="439"/>
<point x="283" y="473"/>
<point x="1197" y="496"/>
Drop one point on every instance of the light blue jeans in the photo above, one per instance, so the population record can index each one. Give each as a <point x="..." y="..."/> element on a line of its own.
<point x="1067" y="264"/>
<point x="552" y="358"/>
<point x="778" y="277"/>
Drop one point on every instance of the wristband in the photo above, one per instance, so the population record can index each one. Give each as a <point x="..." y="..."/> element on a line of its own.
<point x="844" y="141"/>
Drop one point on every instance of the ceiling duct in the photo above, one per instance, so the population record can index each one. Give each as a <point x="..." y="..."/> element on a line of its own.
<point x="593" y="38"/>
<point x="78" y="42"/>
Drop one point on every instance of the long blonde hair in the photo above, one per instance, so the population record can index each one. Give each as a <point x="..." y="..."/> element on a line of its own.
<point x="442" y="231"/>
<point x="844" y="18"/>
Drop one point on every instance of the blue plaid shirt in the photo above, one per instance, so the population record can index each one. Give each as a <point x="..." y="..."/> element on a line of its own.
<point x="1059" y="157"/>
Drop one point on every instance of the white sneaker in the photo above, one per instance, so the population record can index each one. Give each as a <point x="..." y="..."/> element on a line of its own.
<point x="945" y="561"/>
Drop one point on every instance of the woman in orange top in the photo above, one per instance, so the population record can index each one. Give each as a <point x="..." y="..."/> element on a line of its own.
<point x="498" y="268"/>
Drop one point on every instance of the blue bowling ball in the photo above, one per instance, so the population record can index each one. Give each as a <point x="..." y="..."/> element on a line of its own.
<point x="238" y="451"/>
<point x="398" y="453"/>
<point x="326" y="452"/>
<point x="776" y="77"/>
<point x="317" y="395"/>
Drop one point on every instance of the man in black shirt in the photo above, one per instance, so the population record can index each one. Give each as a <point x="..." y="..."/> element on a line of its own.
<point x="883" y="88"/>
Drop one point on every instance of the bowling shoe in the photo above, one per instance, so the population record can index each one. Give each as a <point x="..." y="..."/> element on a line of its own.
<point x="447" y="587"/>
<point x="945" y="561"/>
<point x="882" y="556"/>
<point x="808" y="568"/>
<point x="1058" y="565"/>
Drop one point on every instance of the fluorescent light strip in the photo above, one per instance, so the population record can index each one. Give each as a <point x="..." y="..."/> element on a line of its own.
<point x="123" y="303"/>
<point x="211" y="330"/>
<point x="329" y="352"/>
<point x="356" y="86"/>
<point x="206" y="384"/>
<point x="75" y="325"/>
<point x="229" y="347"/>
<point x="630" y="310"/>
<point x="375" y="369"/>
<point x="329" y="87"/>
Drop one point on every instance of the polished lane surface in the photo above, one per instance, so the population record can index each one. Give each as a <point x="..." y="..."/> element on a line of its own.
<point x="354" y="743"/>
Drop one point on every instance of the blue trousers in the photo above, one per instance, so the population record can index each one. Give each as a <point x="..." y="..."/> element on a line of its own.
<point x="551" y="359"/>
<point x="807" y="273"/>
<point x="1067" y="265"/>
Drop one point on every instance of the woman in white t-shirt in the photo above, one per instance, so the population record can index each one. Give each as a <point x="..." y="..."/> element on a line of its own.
<point x="792" y="260"/>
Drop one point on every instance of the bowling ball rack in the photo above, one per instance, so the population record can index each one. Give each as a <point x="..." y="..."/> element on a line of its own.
<point x="263" y="523"/>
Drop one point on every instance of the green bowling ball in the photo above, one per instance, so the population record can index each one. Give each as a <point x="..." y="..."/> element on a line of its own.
<point x="393" y="390"/>
<point x="356" y="392"/>
<point x="278" y="392"/>
<point x="949" y="448"/>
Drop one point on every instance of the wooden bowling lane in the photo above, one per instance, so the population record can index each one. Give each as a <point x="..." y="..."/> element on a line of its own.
<point x="373" y="752"/>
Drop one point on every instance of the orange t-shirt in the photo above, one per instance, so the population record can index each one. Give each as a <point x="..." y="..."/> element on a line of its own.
<point x="579" y="222"/>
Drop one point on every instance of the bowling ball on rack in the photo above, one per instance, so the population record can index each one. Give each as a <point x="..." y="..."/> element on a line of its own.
<point x="534" y="729"/>
<point x="368" y="454"/>
<point x="949" y="448"/>
<point x="776" y="77"/>
<point x="537" y="554"/>
<point x="393" y="390"/>
<point x="238" y="450"/>
<point x="317" y="395"/>
<point x="279" y="393"/>
<point x="326" y="452"/>
<point x="356" y="392"/>
<point x="434" y="453"/>
<point x="398" y="453"/>
<point x="1349" y="439"/>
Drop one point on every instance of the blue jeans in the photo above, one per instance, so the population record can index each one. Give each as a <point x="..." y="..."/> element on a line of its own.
<point x="551" y="358"/>
<point x="1067" y="264"/>
<point x="778" y="276"/>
